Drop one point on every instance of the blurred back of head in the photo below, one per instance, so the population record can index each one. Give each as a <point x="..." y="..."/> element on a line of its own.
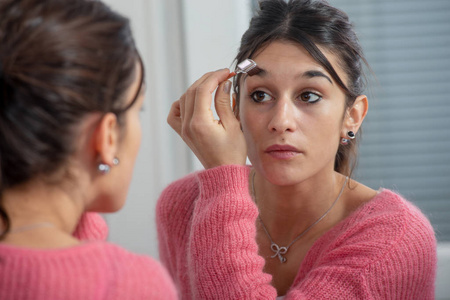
<point x="59" y="61"/>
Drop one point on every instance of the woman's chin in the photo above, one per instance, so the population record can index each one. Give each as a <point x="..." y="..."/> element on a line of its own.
<point x="281" y="174"/>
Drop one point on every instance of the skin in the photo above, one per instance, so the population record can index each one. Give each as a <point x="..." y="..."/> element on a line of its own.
<point x="284" y="116"/>
<point x="292" y="188"/>
<point x="99" y="139"/>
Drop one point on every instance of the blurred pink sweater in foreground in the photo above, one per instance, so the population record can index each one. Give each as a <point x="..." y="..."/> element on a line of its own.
<point x="93" y="270"/>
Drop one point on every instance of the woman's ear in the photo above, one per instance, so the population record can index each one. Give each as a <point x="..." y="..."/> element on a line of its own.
<point x="106" y="138"/>
<point x="355" y="115"/>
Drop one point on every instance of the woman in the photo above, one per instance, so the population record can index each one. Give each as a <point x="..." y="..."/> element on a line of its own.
<point x="71" y="89"/>
<point x="293" y="224"/>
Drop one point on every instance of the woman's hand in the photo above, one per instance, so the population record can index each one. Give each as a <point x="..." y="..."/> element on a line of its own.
<point x="214" y="142"/>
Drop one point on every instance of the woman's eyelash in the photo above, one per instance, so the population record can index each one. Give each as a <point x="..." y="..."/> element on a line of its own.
<point x="260" y="96"/>
<point x="310" y="97"/>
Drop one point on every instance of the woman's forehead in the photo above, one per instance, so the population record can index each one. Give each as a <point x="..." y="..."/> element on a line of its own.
<point x="283" y="56"/>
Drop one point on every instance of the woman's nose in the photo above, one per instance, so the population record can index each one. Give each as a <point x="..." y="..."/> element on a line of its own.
<point x="283" y="116"/>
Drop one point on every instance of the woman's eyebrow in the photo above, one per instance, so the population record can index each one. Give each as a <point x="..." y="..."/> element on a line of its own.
<point x="261" y="73"/>
<point x="306" y="74"/>
<point x="316" y="73"/>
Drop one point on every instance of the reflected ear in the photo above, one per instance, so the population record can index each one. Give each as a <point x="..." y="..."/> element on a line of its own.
<point x="355" y="115"/>
<point x="106" y="139"/>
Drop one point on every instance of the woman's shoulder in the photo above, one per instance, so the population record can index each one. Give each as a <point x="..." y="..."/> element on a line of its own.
<point x="130" y="273"/>
<point x="109" y="269"/>
<point x="386" y="230"/>
<point x="367" y="205"/>
<point x="135" y="267"/>
<point x="386" y="223"/>
<point x="83" y="253"/>
<point x="413" y="225"/>
<point x="391" y="205"/>
<point x="87" y="251"/>
<point x="390" y="211"/>
<point x="386" y="242"/>
<point x="402" y="241"/>
<point x="91" y="227"/>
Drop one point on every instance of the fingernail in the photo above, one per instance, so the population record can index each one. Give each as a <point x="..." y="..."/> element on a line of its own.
<point x="227" y="87"/>
<point x="231" y="75"/>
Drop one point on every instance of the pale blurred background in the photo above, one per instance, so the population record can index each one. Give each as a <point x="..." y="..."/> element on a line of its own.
<point x="406" y="139"/>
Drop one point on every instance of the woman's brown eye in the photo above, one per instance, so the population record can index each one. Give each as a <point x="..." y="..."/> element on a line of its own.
<point x="310" y="97"/>
<point x="260" y="96"/>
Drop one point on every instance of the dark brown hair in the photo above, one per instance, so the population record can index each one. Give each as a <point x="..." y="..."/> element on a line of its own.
<point x="311" y="23"/>
<point x="59" y="61"/>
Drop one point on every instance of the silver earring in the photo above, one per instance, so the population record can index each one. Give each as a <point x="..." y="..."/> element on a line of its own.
<point x="105" y="168"/>
<point x="350" y="136"/>
<point x="344" y="141"/>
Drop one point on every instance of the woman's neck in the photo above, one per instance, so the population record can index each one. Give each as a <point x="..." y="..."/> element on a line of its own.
<point x="34" y="203"/>
<point x="288" y="210"/>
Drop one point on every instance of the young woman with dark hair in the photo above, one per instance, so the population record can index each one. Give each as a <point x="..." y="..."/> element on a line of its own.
<point x="293" y="224"/>
<point x="71" y="89"/>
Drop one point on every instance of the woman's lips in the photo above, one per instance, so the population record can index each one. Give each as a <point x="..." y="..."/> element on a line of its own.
<point x="282" y="151"/>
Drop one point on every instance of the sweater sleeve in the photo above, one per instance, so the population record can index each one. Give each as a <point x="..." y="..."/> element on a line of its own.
<point x="173" y="219"/>
<point x="223" y="254"/>
<point x="91" y="227"/>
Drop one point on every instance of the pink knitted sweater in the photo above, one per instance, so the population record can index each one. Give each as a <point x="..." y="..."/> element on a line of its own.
<point x="386" y="249"/>
<point x="92" y="270"/>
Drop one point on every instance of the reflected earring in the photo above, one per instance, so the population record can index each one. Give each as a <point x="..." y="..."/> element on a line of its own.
<point x="105" y="168"/>
<point x="350" y="136"/>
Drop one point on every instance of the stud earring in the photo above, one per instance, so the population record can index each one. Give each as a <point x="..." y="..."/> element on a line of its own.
<point x="105" y="168"/>
<point x="350" y="136"/>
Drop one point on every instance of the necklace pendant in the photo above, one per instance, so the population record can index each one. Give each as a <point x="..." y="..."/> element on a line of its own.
<point x="279" y="251"/>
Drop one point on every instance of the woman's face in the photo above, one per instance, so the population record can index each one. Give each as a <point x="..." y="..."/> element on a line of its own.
<point x="291" y="114"/>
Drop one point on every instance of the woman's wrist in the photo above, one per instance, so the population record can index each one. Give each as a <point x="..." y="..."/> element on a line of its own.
<point x="224" y="179"/>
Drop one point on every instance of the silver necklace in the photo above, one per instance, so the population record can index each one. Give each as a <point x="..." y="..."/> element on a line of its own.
<point x="31" y="227"/>
<point x="280" y="251"/>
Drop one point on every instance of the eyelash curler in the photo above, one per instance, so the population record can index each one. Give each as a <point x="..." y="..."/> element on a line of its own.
<point x="248" y="67"/>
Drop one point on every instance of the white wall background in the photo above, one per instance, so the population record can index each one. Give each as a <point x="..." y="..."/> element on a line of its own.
<point x="179" y="41"/>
